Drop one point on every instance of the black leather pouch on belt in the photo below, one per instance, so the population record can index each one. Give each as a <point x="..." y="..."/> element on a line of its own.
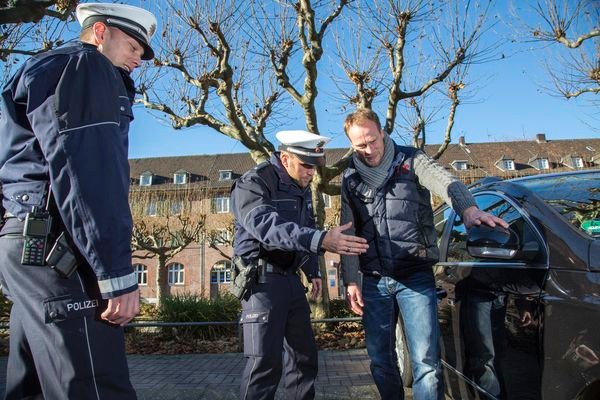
<point x="61" y="257"/>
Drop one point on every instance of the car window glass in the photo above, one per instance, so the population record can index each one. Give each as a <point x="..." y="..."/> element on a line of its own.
<point x="495" y="205"/>
<point x="576" y="197"/>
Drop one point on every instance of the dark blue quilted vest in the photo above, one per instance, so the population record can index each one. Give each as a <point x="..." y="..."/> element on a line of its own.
<point x="396" y="220"/>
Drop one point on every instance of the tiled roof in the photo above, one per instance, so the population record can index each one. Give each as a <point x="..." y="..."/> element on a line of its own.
<point x="203" y="169"/>
<point x="481" y="158"/>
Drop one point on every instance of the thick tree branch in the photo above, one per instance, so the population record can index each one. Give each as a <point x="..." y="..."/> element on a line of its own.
<point x="22" y="11"/>
<point x="573" y="44"/>
<point x="453" y="90"/>
<point x="576" y="93"/>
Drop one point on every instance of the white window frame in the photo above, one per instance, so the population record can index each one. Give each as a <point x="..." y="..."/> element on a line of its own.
<point x="460" y="165"/>
<point x="180" y="178"/>
<point x="222" y="270"/>
<point x="152" y="208"/>
<point x="146" y="179"/>
<point x="222" y="204"/>
<point x="176" y="274"/>
<point x="176" y="207"/>
<point x="508" y="165"/>
<point x="577" y="162"/>
<point x="141" y="272"/>
<point x="225" y="174"/>
<point x="222" y="237"/>
<point x="543" y="163"/>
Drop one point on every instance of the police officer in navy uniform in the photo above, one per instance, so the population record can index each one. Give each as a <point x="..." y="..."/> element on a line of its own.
<point x="64" y="124"/>
<point x="275" y="228"/>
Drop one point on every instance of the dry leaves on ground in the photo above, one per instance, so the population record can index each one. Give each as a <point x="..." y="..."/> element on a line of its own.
<point x="148" y="343"/>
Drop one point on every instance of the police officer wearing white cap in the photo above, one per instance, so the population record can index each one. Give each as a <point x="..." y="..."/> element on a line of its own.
<point x="275" y="229"/>
<point x="65" y="179"/>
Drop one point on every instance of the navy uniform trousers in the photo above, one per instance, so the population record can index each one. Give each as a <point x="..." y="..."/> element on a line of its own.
<point x="59" y="349"/>
<point x="276" y="319"/>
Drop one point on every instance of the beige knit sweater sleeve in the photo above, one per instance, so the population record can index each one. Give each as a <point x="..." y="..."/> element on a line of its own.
<point x="441" y="182"/>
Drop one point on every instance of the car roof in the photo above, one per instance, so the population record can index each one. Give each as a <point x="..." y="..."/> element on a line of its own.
<point x="554" y="175"/>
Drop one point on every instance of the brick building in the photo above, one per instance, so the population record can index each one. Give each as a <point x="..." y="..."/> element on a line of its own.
<point x="200" y="185"/>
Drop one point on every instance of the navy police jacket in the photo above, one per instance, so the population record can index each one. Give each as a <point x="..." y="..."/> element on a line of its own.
<point x="64" y="121"/>
<point x="274" y="219"/>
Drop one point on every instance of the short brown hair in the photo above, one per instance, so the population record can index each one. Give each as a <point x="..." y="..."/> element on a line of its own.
<point x="360" y="116"/>
<point x="86" y="34"/>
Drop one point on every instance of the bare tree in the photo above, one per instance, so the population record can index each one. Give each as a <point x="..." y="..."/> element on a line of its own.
<point x="405" y="51"/>
<point x="30" y="27"/>
<point x="19" y="11"/>
<point x="217" y="238"/>
<point x="241" y="66"/>
<point x="164" y="224"/>
<point x="574" y="69"/>
<point x="207" y="73"/>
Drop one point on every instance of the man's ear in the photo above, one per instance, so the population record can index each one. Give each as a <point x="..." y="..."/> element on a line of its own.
<point x="99" y="30"/>
<point x="284" y="157"/>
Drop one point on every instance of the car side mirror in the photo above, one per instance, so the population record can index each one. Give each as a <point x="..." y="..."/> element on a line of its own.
<point x="483" y="241"/>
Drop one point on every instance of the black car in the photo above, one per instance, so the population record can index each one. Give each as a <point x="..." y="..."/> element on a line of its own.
<point x="519" y="309"/>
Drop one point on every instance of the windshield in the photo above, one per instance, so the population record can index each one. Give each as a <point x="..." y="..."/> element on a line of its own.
<point x="575" y="196"/>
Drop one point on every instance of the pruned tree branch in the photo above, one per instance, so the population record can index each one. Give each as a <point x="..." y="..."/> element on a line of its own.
<point x="23" y="11"/>
<point x="578" y="74"/>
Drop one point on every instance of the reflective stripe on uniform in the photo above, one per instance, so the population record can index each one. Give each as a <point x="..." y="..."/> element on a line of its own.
<point x="316" y="239"/>
<point x="117" y="284"/>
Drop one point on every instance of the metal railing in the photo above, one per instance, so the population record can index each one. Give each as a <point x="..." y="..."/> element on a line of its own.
<point x="151" y="324"/>
<point x="158" y="324"/>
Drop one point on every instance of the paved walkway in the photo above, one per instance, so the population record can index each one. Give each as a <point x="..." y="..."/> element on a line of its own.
<point x="342" y="375"/>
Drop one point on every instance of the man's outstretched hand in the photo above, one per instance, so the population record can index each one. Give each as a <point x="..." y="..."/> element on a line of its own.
<point x="337" y="242"/>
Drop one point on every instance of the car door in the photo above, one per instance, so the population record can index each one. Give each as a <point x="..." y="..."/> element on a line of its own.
<point x="491" y="314"/>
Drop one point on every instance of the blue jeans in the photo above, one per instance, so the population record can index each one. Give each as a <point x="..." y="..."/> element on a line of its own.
<point x="415" y="298"/>
<point x="482" y="326"/>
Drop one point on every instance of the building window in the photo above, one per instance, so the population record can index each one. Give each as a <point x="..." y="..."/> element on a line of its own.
<point x="176" y="207"/>
<point x="175" y="272"/>
<point x="459" y="165"/>
<point x="221" y="273"/>
<point x="327" y="200"/>
<point x="146" y="179"/>
<point x="223" y="236"/>
<point x="221" y="205"/>
<point x="180" y="178"/>
<point x="577" y="162"/>
<point x="224" y="175"/>
<point x="151" y="210"/>
<point x="542" y="163"/>
<point x="508" y="165"/>
<point x="142" y="274"/>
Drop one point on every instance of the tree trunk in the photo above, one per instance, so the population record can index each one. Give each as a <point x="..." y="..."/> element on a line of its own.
<point x="162" y="284"/>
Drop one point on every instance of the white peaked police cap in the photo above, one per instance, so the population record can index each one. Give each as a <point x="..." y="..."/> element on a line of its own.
<point x="307" y="146"/>
<point x="134" y="21"/>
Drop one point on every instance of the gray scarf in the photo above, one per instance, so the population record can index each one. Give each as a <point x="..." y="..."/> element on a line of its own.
<point x="375" y="177"/>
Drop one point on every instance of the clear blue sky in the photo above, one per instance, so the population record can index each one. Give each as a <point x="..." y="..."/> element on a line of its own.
<point x="509" y="104"/>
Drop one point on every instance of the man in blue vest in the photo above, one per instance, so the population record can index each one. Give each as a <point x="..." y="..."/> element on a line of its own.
<point x="275" y="229"/>
<point x="385" y="194"/>
<point x="65" y="237"/>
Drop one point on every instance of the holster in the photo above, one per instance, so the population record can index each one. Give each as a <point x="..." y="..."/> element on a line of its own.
<point x="244" y="277"/>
